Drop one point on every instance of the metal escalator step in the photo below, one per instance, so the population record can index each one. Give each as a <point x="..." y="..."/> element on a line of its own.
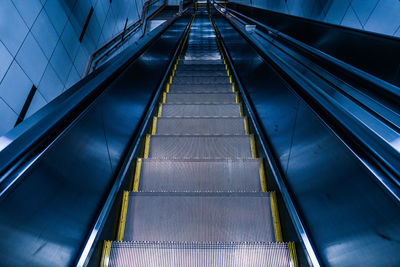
<point x="200" y="110"/>
<point x="200" y="126"/>
<point x="199" y="217"/>
<point x="234" y="175"/>
<point x="201" y="62"/>
<point x="200" y="98"/>
<point x="196" y="254"/>
<point x="201" y="80"/>
<point x="200" y="88"/>
<point x="200" y="147"/>
<point x="193" y="73"/>
<point x="200" y="67"/>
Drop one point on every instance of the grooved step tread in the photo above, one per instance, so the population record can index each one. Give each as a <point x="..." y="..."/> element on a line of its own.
<point x="200" y="110"/>
<point x="186" y="98"/>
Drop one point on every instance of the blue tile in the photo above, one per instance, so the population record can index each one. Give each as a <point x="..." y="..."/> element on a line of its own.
<point x="29" y="10"/>
<point x="81" y="61"/>
<point x="70" y="40"/>
<point x="5" y="60"/>
<point x="12" y="37"/>
<point x="94" y="30"/>
<point x="31" y="59"/>
<point x="100" y="13"/>
<point x="37" y="103"/>
<point x="385" y="18"/>
<point x="317" y="12"/>
<point x="61" y="62"/>
<point x="8" y="117"/>
<point x="351" y="20"/>
<point x="73" y="78"/>
<point x="79" y="15"/>
<point x="50" y="86"/>
<point x="336" y="11"/>
<point x="363" y="9"/>
<point x="56" y="14"/>
<point x="15" y="87"/>
<point x="68" y="6"/>
<point x="295" y="7"/>
<point x="45" y="34"/>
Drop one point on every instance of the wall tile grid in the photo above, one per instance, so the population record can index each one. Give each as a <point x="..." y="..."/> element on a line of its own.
<point x="379" y="16"/>
<point x="39" y="45"/>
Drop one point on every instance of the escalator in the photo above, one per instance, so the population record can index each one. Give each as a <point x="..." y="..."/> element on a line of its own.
<point x="199" y="194"/>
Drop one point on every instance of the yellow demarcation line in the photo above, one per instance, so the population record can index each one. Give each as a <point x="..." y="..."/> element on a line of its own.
<point x="241" y="110"/>
<point x="154" y="125"/>
<point x="233" y="87"/>
<point x="275" y="217"/>
<point x="246" y="125"/>
<point x="164" y="97"/>
<point x="137" y="175"/>
<point x="262" y="176"/>
<point x="105" y="256"/>
<point x="253" y="146"/>
<point x="122" y="218"/>
<point x="159" y="110"/>
<point x="293" y="255"/>
<point x="146" y="146"/>
<point x="167" y="88"/>
<point x="237" y="97"/>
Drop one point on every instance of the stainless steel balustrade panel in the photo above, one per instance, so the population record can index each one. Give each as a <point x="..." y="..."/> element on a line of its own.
<point x="235" y="175"/>
<point x="200" y="126"/>
<point x="199" y="147"/>
<point x="199" y="98"/>
<point x="200" y="88"/>
<point x="201" y="80"/>
<point x="199" y="217"/>
<point x="166" y="254"/>
<point x="200" y="110"/>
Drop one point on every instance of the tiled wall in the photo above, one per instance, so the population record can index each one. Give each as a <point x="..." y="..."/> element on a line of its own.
<point x="39" y="45"/>
<point x="380" y="16"/>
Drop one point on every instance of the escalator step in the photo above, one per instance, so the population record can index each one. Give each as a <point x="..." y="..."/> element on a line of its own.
<point x="165" y="254"/>
<point x="200" y="147"/>
<point x="199" y="67"/>
<point x="200" y="80"/>
<point x="182" y="98"/>
<point x="199" y="217"/>
<point x="199" y="88"/>
<point x="200" y="110"/>
<point x="193" y="73"/>
<point x="200" y="126"/>
<point x="234" y="175"/>
<point x="201" y="62"/>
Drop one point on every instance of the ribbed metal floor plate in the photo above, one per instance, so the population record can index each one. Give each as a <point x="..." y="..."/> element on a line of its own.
<point x="234" y="175"/>
<point x="166" y="254"/>
<point x="200" y="98"/>
<point x="200" y="88"/>
<point x="199" y="217"/>
<point x="200" y="126"/>
<point x="201" y="62"/>
<point x="200" y="110"/>
<point x="200" y="147"/>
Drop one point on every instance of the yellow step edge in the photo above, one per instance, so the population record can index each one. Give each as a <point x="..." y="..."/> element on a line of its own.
<point x="105" y="255"/>
<point x="136" y="179"/>
<point x="292" y="255"/>
<point x="164" y="97"/>
<point x="233" y="87"/>
<point x="159" y="111"/>
<point x="275" y="217"/>
<point x="237" y="97"/>
<point x="122" y="218"/>
<point x="262" y="176"/>
<point x="170" y="79"/>
<point x="246" y="125"/>
<point x="253" y="146"/>
<point x="167" y="87"/>
<point x="146" y="146"/>
<point x="154" y="125"/>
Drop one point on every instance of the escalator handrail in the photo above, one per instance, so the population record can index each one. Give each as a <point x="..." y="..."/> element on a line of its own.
<point x="380" y="159"/>
<point x="392" y="91"/>
<point x="21" y="147"/>
<point x="95" y="232"/>
<point x="304" y="237"/>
